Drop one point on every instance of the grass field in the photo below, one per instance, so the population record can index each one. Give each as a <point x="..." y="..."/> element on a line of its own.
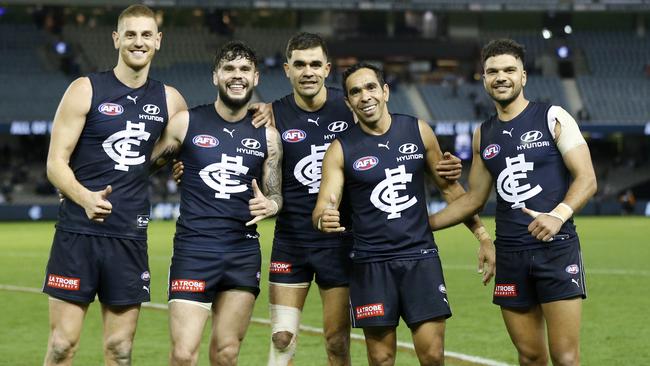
<point x="615" y="330"/>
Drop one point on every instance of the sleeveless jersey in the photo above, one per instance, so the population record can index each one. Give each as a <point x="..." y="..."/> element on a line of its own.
<point x="305" y="138"/>
<point x="384" y="176"/>
<point x="221" y="160"/>
<point x="528" y="170"/>
<point x="114" y="148"/>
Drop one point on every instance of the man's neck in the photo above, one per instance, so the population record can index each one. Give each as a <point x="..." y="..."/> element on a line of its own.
<point x="512" y="110"/>
<point x="311" y="104"/>
<point x="380" y="127"/>
<point x="129" y="77"/>
<point x="229" y="114"/>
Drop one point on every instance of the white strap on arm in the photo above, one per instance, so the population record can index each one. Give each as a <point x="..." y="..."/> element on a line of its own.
<point x="570" y="135"/>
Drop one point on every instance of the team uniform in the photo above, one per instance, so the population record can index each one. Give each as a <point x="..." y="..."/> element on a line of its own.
<point x="214" y="250"/>
<point x="110" y="258"/>
<point x="396" y="270"/>
<point x="299" y="251"/>
<point x="529" y="171"/>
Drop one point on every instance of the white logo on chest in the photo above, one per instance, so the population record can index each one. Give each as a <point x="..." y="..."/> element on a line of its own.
<point x="222" y="176"/>
<point x="308" y="169"/>
<point x="119" y="146"/>
<point x="508" y="182"/>
<point x="386" y="197"/>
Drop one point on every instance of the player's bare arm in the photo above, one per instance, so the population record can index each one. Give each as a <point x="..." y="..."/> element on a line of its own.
<point x="169" y="143"/>
<point x="262" y="114"/>
<point x="449" y="167"/>
<point x="577" y="159"/>
<point x="454" y="192"/>
<point x="69" y="121"/>
<point x="267" y="202"/>
<point x="326" y="216"/>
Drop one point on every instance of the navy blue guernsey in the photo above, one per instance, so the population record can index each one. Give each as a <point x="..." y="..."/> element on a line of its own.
<point x="221" y="160"/>
<point x="114" y="148"/>
<point x="305" y="138"/>
<point x="384" y="176"/>
<point x="528" y="170"/>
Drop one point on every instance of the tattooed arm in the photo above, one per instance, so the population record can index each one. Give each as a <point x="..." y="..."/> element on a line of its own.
<point x="170" y="141"/>
<point x="268" y="201"/>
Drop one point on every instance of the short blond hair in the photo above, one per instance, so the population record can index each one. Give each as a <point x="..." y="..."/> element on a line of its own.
<point x="137" y="10"/>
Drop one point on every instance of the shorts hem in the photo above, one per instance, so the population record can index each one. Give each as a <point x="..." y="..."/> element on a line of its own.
<point x="328" y="286"/>
<point x="124" y="302"/>
<point x="388" y="324"/>
<point x="74" y="299"/>
<point x="564" y="297"/>
<point x="423" y="319"/>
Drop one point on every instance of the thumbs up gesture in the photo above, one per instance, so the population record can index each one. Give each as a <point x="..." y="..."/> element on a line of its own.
<point x="260" y="206"/>
<point x="330" y="219"/>
<point x="97" y="206"/>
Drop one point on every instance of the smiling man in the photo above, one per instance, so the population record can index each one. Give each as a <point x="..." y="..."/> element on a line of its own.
<point x="215" y="268"/>
<point x="102" y="138"/>
<point x="541" y="168"/>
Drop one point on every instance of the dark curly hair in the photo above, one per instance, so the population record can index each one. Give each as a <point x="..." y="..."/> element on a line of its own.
<point x="233" y="50"/>
<point x="503" y="46"/>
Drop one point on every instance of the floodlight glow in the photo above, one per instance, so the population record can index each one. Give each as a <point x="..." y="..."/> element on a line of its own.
<point x="568" y="29"/>
<point x="563" y="51"/>
<point x="547" y="34"/>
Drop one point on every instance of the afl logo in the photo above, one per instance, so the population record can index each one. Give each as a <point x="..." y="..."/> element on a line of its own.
<point x="491" y="151"/>
<point x="206" y="141"/>
<point x="365" y="163"/>
<point x="408" y="148"/>
<point x="110" y="109"/>
<point x="531" y="136"/>
<point x="572" y="269"/>
<point x="151" y="109"/>
<point x="250" y="144"/>
<point x="294" y="135"/>
<point x="338" y="126"/>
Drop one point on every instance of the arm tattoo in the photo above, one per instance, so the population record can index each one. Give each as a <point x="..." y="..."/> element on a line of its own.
<point x="161" y="159"/>
<point x="272" y="176"/>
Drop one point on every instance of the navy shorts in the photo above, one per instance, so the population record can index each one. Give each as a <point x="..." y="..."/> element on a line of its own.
<point x="198" y="276"/>
<point x="529" y="277"/>
<point x="293" y="264"/>
<point x="381" y="292"/>
<point x="82" y="266"/>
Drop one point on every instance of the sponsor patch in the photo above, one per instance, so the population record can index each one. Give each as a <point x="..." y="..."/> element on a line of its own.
<point x="338" y="126"/>
<point x="206" y="141"/>
<point x="442" y="288"/>
<point x="572" y="269"/>
<point x="142" y="221"/>
<point x="251" y="143"/>
<point x="294" y="135"/>
<point x="146" y="276"/>
<point x="491" y="151"/>
<point x="505" y="290"/>
<point x="187" y="286"/>
<point x="369" y="311"/>
<point x="531" y="136"/>
<point x="63" y="283"/>
<point x="365" y="163"/>
<point x="280" y="267"/>
<point x="110" y="109"/>
<point x="408" y="148"/>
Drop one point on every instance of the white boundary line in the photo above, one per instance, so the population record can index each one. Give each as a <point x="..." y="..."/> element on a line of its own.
<point x="307" y="328"/>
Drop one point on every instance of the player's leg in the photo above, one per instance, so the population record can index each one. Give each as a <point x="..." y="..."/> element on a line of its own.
<point x="381" y="345"/>
<point x="231" y="315"/>
<point x="336" y="324"/>
<point x="563" y="323"/>
<point x="186" y="322"/>
<point x="119" y="330"/>
<point x="429" y="341"/>
<point x="289" y="281"/>
<point x="66" y="321"/>
<point x="526" y="329"/>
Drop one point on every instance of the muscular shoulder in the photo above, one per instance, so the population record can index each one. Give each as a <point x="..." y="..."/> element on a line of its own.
<point x="175" y="101"/>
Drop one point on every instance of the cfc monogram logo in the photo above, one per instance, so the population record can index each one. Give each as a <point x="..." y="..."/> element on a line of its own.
<point x="308" y="169"/>
<point x="508" y="184"/>
<point x="385" y="196"/>
<point x="219" y="176"/>
<point x="119" y="145"/>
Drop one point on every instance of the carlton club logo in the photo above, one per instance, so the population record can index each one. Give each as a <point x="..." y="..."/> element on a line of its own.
<point x="280" y="267"/>
<point x="491" y="151"/>
<point x="509" y="182"/>
<point x="119" y="146"/>
<point x="205" y="141"/>
<point x="308" y="169"/>
<point x="187" y="286"/>
<point x="294" y="135"/>
<point x="222" y="176"/>
<point x="386" y="197"/>
<point x="110" y="109"/>
<point x="63" y="283"/>
<point x="369" y="311"/>
<point x="365" y="163"/>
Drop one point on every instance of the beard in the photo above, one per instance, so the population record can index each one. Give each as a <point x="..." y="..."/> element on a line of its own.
<point x="504" y="101"/>
<point x="234" y="103"/>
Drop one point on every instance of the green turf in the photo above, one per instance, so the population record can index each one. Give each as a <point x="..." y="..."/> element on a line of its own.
<point x="615" y="329"/>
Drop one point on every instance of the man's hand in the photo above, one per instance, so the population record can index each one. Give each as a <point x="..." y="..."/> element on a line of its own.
<point x="544" y="226"/>
<point x="97" y="206"/>
<point x="486" y="260"/>
<point x="260" y="206"/>
<point x="177" y="171"/>
<point x="330" y="219"/>
<point x="449" y="167"/>
<point x="262" y="114"/>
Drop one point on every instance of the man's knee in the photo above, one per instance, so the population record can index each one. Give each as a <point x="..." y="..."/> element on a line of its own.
<point x="434" y="356"/>
<point x="226" y="353"/>
<point x="532" y="358"/>
<point x="282" y="340"/>
<point x="61" y="349"/>
<point x="183" y="356"/>
<point x="119" y="349"/>
<point x="381" y="358"/>
<point x="338" y="344"/>
<point x="568" y="358"/>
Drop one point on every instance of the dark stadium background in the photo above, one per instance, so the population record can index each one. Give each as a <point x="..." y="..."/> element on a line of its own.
<point x="592" y="57"/>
